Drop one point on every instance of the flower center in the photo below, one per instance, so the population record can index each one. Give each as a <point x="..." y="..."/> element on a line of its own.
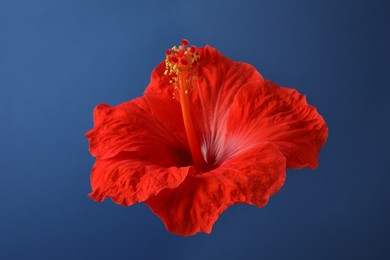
<point x="181" y="67"/>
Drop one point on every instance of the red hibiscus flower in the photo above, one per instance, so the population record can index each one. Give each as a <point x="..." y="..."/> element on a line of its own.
<point x="208" y="133"/>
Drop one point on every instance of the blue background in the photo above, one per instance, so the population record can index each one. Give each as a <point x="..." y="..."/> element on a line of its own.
<point x="58" y="59"/>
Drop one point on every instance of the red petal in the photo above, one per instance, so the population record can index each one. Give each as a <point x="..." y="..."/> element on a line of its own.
<point x="234" y="108"/>
<point x="196" y="204"/>
<point x="128" y="180"/>
<point x="263" y="111"/>
<point x="151" y="126"/>
<point x="219" y="81"/>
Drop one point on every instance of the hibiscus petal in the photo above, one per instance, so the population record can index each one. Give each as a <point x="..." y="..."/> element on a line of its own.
<point x="151" y="126"/>
<point x="127" y="180"/>
<point x="196" y="204"/>
<point x="263" y="111"/>
<point x="220" y="79"/>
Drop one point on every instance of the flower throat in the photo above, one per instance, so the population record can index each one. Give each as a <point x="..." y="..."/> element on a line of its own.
<point x="181" y="67"/>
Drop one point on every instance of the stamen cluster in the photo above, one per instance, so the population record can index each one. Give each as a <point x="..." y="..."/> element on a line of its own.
<point x="182" y="62"/>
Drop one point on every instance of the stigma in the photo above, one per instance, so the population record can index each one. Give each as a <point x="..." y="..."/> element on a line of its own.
<point x="182" y="63"/>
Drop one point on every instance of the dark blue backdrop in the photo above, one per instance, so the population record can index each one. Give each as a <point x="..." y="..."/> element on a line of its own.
<point x="58" y="59"/>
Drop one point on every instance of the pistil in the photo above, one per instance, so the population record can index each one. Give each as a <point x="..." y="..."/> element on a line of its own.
<point x="181" y="67"/>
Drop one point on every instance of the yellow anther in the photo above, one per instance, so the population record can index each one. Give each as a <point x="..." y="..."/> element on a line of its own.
<point x="181" y="66"/>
